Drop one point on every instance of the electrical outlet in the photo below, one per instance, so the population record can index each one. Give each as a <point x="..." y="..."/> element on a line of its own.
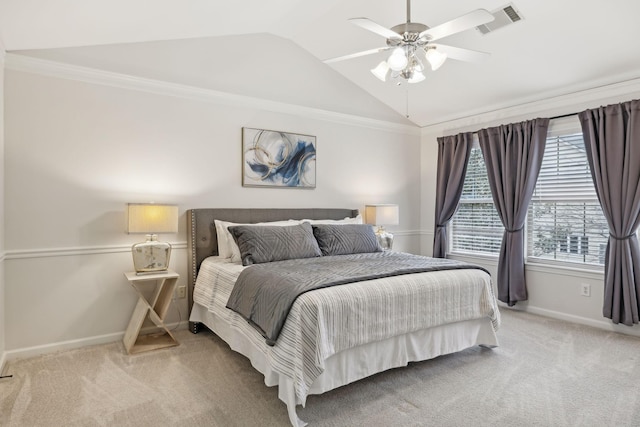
<point x="181" y="292"/>
<point x="585" y="290"/>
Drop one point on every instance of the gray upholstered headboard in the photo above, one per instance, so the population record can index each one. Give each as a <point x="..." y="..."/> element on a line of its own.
<point x="202" y="241"/>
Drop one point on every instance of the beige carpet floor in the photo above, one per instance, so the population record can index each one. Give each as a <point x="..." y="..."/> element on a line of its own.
<point x="545" y="373"/>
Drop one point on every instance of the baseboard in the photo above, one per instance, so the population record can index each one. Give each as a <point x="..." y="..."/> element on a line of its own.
<point x="3" y="359"/>
<point x="603" y="324"/>
<point x="39" y="350"/>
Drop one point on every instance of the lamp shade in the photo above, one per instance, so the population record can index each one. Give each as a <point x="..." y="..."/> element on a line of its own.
<point x="382" y="214"/>
<point x="417" y="77"/>
<point x="435" y="58"/>
<point x="381" y="71"/>
<point x="152" y="218"/>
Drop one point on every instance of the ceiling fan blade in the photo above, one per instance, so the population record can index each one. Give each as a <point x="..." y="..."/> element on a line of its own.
<point x="368" y="24"/>
<point x="461" y="54"/>
<point x="356" y="55"/>
<point x="461" y="23"/>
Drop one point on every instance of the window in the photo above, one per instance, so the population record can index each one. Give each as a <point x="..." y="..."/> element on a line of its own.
<point x="476" y="226"/>
<point x="564" y="224"/>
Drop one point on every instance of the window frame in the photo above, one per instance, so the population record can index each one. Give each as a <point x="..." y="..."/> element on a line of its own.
<point x="487" y="255"/>
<point x="557" y="127"/>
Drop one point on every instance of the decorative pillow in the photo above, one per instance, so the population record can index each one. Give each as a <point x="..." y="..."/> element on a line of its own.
<point x="347" y="220"/>
<point x="227" y="247"/>
<point x="268" y="243"/>
<point x="346" y="239"/>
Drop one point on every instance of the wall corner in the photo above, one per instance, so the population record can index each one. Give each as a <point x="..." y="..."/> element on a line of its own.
<point x="3" y="51"/>
<point x="2" y="245"/>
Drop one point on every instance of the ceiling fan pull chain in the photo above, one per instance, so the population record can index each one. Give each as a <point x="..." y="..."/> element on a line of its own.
<point x="407" y="106"/>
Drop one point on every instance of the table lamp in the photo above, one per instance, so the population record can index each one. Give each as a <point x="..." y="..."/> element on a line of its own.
<point x="151" y="256"/>
<point x="381" y="215"/>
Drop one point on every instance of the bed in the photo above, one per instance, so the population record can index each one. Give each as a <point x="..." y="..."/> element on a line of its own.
<point x="309" y="355"/>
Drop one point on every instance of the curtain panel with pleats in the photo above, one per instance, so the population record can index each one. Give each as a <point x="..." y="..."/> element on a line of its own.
<point x="612" y="140"/>
<point x="513" y="155"/>
<point x="453" y="157"/>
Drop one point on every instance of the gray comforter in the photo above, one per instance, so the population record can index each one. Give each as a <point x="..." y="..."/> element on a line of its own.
<point x="264" y="293"/>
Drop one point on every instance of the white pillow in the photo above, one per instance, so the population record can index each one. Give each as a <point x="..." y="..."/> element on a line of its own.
<point x="347" y="220"/>
<point x="224" y="251"/>
<point x="227" y="246"/>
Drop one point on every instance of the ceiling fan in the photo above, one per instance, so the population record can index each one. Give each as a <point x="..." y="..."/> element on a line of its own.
<point x="408" y="40"/>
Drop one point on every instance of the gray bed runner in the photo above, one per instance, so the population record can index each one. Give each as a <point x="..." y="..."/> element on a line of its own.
<point x="264" y="293"/>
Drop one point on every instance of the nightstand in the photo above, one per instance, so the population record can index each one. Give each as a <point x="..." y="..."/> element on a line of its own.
<point x="161" y="286"/>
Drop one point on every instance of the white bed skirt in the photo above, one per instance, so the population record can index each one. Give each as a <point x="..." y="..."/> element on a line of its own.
<point x="358" y="362"/>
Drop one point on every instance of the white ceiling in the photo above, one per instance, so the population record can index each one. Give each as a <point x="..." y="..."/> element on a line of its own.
<point x="274" y="49"/>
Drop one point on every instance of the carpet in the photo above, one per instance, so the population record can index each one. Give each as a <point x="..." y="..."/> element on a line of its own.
<point x="546" y="372"/>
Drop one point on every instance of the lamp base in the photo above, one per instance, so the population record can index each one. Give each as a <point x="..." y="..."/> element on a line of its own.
<point x="151" y="256"/>
<point x="384" y="238"/>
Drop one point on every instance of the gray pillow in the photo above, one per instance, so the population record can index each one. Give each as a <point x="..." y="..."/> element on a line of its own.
<point x="346" y="239"/>
<point x="262" y="243"/>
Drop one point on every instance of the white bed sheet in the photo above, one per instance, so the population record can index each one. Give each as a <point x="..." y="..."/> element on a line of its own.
<point x="284" y="363"/>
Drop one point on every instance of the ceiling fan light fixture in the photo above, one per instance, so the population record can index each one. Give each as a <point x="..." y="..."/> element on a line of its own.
<point x="398" y="60"/>
<point x="415" y="63"/>
<point x="409" y="40"/>
<point x="417" y="77"/>
<point x="435" y="58"/>
<point x="381" y="71"/>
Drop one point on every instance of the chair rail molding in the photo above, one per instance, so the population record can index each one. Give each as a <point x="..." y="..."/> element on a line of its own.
<point x="107" y="249"/>
<point x="74" y="251"/>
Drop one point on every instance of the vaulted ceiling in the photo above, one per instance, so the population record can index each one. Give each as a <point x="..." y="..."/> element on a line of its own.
<point x="275" y="49"/>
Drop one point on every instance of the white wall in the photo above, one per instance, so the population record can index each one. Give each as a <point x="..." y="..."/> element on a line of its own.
<point x="2" y="287"/>
<point x="77" y="152"/>
<point x="553" y="291"/>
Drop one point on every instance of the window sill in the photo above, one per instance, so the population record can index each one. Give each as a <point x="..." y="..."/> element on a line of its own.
<point x="487" y="259"/>
<point x="533" y="266"/>
<point x="564" y="270"/>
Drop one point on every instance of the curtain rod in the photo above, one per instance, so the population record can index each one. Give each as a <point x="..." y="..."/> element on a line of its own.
<point x="563" y="116"/>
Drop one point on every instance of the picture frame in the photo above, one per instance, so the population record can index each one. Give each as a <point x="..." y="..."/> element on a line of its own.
<point x="278" y="159"/>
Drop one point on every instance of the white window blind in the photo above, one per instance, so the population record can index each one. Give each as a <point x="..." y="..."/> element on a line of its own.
<point x="476" y="227"/>
<point x="565" y="222"/>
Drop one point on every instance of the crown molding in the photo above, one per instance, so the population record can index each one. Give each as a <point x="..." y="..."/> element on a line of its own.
<point x="61" y="70"/>
<point x="571" y="100"/>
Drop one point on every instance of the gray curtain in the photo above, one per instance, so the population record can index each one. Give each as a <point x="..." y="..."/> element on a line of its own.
<point x="513" y="155"/>
<point x="612" y="139"/>
<point x="453" y="157"/>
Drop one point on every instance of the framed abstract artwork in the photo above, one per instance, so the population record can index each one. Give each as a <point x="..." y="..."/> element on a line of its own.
<point x="278" y="159"/>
